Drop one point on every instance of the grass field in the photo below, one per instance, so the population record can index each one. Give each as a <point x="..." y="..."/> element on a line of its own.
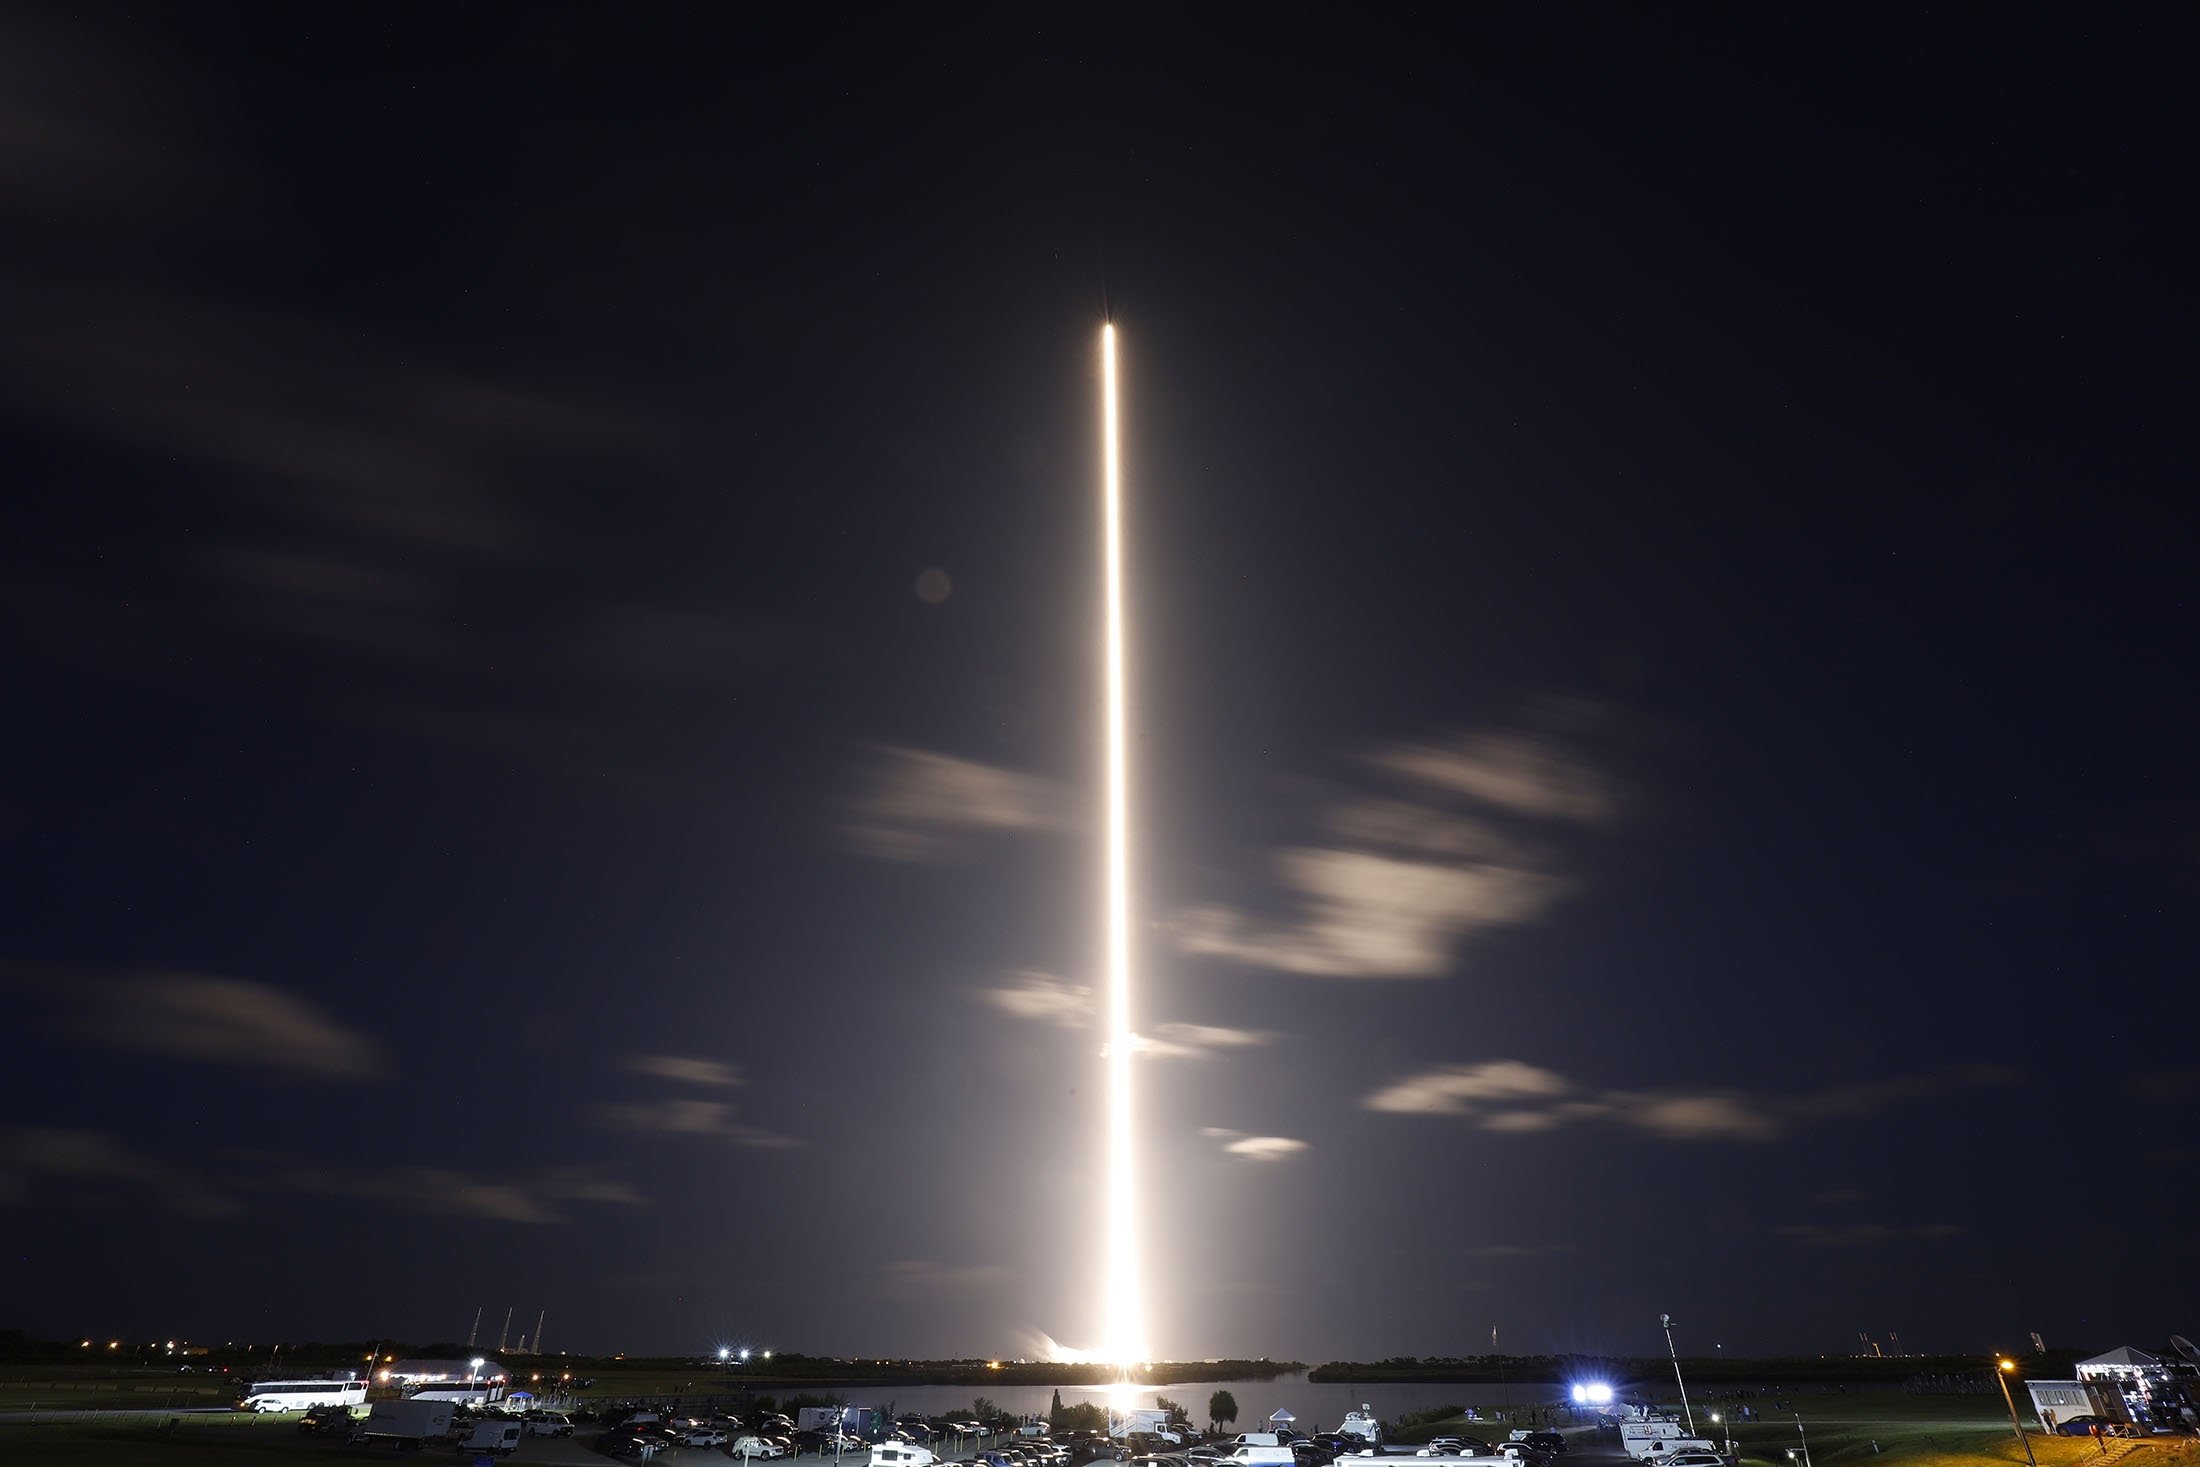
<point x="198" y="1442"/>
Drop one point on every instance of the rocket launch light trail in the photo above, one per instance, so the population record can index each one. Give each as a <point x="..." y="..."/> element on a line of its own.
<point x="1124" y="1340"/>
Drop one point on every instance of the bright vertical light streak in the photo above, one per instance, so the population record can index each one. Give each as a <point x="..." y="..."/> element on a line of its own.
<point x="1125" y="1338"/>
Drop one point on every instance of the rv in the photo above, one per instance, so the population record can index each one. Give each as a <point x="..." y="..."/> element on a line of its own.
<point x="901" y="1454"/>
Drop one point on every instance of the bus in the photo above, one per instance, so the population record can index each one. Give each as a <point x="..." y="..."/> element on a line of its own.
<point x="297" y="1395"/>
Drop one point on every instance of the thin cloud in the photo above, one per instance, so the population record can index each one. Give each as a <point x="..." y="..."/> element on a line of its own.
<point x="1697" y="1117"/>
<point x="1513" y="1096"/>
<point x="1200" y="1041"/>
<point x="692" y="1118"/>
<point x="223" y="1021"/>
<point x="447" y="1192"/>
<point x="925" y="807"/>
<point x="31" y="1153"/>
<point x="684" y="1069"/>
<point x="1042" y="998"/>
<point x="908" y="1276"/>
<point x="1517" y="773"/>
<point x="1254" y="1148"/>
<point x="1865" y="1235"/>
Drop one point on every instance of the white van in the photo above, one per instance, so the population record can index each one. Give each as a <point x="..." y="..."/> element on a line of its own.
<point x="1665" y="1447"/>
<point x="494" y="1436"/>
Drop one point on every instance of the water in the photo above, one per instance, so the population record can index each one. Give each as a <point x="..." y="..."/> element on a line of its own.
<point x="1314" y="1405"/>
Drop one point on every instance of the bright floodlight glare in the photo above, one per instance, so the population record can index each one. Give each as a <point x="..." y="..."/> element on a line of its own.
<point x="1595" y="1393"/>
<point x="1125" y="1329"/>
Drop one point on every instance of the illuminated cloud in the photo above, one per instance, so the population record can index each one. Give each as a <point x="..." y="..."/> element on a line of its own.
<point x="1515" y="1097"/>
<point x="1368" y="915"/>
<point x="1518" y="773"/>
<point x="1199" y="1041"/>
<point x="1397" y="886"/>
<point x="223" y="1020"/>
<point x="1254" y="1148"/>
<point x="921" y="806"/>
<point x="1454" y="1089"/>
<point x="1042" y="998"/>
<point x="1430" y="831"/>
<point x="683" y="1069"/>
<point x="1697" y="1117"/>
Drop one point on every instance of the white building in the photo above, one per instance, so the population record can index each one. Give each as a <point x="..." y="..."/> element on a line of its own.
<point x="2056" y="1401"/>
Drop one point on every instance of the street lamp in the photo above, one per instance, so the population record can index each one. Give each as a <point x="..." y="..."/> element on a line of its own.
<point x="2008" y="1400"/>
<point x="1729" y="1432"/>
<point x="476" y="1364"/>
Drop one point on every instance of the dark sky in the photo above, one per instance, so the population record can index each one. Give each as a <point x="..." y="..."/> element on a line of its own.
<point x="1662" y="574"/>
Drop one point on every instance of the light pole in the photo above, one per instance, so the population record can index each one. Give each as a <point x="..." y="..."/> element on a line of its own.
<point x="2008" y="1400"/>
<point x="1806" y="1438"/>
<point x="1667" y="1321"/>
<point x="1715" y="1421"/>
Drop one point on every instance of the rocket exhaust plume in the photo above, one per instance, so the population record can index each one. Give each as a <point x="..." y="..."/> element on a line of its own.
<point x="1124" y="1337"/>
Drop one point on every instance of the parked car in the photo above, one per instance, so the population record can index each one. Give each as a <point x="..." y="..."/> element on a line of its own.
<point x="326" y="1419"/>
<point x="1692" y="1459"/>
<point x="700" y="1435"/>
<point x="1553" y="1442"/>
<point x="2082" y="1425"/>
<point x="755" y="1446"/>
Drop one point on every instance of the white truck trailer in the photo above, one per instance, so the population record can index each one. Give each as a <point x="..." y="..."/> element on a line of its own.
<point x="412" y="1423"/>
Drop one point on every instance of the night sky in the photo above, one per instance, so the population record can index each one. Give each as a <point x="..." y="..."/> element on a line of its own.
<point x="552" y="686"/>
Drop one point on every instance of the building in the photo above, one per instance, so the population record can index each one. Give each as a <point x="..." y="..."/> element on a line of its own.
<point x="2055" y="1401"/>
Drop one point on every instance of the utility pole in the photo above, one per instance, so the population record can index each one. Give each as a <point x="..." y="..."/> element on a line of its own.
<point x="538" y="1329"/>
<point x="1667" y="1321"/>
<point x="1806" y="1438"/>
<point x="476" y="1327"/>
<point x="2008" y="1400"/>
